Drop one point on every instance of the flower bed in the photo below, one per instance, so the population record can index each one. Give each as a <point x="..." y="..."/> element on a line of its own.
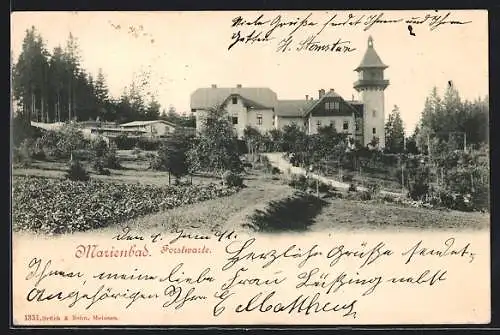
<point x="56" y="206"/>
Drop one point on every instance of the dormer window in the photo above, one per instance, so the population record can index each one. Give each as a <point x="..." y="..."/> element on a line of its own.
<point x="234" y="100"/>
<point x="332" y="105"/>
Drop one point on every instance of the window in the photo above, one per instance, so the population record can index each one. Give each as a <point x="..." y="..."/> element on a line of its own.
<point x="374" y="131"/>
<point x="357" y="125"/>
<point x="318" y="123"/>
<point x="332" y="105"/>
<point x="346" y="125"/>
<point x="235" y="100"/>
<point x="374" y="113"/>
<point x="259" y="119"/>
<point x="234" y="119"/>
<point x="332" y="123"/>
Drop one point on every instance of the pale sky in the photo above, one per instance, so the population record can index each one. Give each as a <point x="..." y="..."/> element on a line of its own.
<point x="190" y="50"/>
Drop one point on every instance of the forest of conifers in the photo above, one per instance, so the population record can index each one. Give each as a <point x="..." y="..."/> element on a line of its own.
<point x="53" y="86"/>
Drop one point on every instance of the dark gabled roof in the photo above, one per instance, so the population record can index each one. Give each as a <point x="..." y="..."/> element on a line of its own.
<point x="327" y="95"/>
<point x="293" y="108"/>
<point x="247" y="102"/>
<point x="204" y="98"/>
<point x="358" y="106"/>
<point x="371" y="59"/>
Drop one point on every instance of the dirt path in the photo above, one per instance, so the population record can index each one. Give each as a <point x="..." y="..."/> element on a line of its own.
<point x="228" y="213"/>
<point x="277" y="160"/>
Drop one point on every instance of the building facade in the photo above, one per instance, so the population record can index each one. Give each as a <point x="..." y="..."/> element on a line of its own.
<point x="362" y="119"/>
<point x="156" y="128"/>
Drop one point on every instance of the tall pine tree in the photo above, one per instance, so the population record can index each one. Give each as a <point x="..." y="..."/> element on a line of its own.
<point x="394" y="132"/>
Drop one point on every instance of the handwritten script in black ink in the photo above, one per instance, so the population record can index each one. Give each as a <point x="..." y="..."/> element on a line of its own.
<point x="319" y="33"/>
<point x="333" y="277"/>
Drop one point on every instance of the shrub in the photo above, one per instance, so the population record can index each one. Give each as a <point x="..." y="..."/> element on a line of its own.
<point x="232" y="179"/>
<point x="347" y="178"/>
<point x="419" y="186"/>
<point x="352" y="187"/>
<point x="480" y="198"/>
<point x="387" y="198"/>
<point x="76" y="171"/>
<point x="364" y="195"/>
<point x="148" y="144"/>
<point x="373" y="188"/>
<point x="123" y="142"/>
<point x="156" y="163"/>
<point x="37" y="150"/>
<point x="99" y="168"/>
<point x="99" y="147"/>
<point x="324" y="188"/>
<point x="24" y="154"/>
<point x="111" y="160"/>
<point x="69" y="139"/>
<point x="298" y="181"/>
<point x="16" y="156"/>
<point x="359" y="196"/>
<point x="275" y="170"/>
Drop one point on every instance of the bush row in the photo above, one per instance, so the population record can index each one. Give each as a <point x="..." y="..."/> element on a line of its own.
<point x="63" y="206"/>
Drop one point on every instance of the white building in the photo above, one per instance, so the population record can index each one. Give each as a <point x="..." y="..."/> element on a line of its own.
<point x="156" y="128"/>
<point x="260" y="108"/>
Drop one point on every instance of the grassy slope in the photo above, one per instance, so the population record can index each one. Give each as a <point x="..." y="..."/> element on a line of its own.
<point x="348" y="214"/>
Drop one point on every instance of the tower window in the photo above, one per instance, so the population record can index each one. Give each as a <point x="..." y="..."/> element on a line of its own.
<point x="235" y="100"/>
<point x="374" y="131"/>
<point x="259" y="119"/>
<point x="345" y="126"/>
<point x="374" y="113"/>
<point x="234" y="119"/>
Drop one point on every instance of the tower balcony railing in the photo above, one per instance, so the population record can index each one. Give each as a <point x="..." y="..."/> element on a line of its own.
<point x="371" y="82"/>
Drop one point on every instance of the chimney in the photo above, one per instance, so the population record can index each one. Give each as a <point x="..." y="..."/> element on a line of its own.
<point x="321" y="93"/>
<point x="332" y="90"/>
<point x="238" y="86"/>
<point x="214" y="86"/>
<point x="307" y="96"/>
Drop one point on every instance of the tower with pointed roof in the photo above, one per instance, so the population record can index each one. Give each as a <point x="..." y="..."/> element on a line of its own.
<point x="371" y="85"/>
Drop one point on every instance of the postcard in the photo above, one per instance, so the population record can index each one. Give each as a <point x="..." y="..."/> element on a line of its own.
<point x="250" y="168"/>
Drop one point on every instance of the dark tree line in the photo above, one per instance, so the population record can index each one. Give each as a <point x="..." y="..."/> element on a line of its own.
<point x="54" y="87"/>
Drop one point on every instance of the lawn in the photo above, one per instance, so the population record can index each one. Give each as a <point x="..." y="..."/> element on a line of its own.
<point x="341" y="214"/>
<point x="135" y="170"/>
